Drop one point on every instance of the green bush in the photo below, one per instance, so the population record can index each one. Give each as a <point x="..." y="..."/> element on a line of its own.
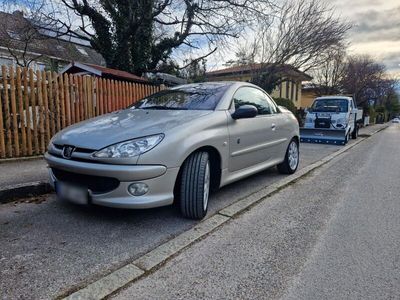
<point x="290" y="106"/>
<point x="286" y="103"/>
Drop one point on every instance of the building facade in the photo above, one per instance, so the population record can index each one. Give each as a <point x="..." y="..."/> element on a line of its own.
<point x="289" y="86"/>
<point x="28" y="44"/>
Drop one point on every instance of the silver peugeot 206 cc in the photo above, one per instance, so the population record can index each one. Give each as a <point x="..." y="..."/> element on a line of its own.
<point x="174" y="146"/>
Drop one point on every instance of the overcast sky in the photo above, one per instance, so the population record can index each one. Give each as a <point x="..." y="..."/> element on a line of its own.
<point x="376" y="31"/>
<point x="376" y="28"/>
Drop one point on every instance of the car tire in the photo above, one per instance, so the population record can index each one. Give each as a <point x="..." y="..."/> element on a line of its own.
<point x="195" y="186"/>
<point x="291" y="162"/>
<point x="354" y="134"/>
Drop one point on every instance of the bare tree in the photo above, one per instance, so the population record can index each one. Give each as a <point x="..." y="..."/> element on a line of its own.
<point x="298" y="35"/>
<point x="138" y="35"/>
<point x="328" y="75"/>
<point x="20" y="30"/>
<point x="365" y="79"/>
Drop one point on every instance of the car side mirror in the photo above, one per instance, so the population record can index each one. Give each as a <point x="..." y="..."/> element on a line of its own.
<point x="244" y="112"/>
<point x="354" y="110"/>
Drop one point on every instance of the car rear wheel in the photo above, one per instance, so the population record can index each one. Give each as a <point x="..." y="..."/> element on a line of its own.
<point x="195" y="186"/>
<point x="291" y="162"/>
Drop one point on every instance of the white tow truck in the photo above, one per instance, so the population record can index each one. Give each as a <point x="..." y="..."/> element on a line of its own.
<point x="331" y="120"/>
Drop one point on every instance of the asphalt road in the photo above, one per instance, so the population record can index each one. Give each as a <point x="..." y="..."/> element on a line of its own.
<point x="335" y="234"/>
<point x="47" y="247"/>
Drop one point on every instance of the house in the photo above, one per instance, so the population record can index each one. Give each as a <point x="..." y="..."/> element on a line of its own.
<point x="79" y="68"/>
<point x="309" y="93"/>
<point x="27" y="43"/>
<point x="290" y="86"/>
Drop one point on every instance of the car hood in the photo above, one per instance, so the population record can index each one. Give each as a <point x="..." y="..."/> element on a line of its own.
<point x="123" y="125"/>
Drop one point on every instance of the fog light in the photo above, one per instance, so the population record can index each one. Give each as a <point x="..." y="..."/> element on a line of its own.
<point x="138" y="189"/>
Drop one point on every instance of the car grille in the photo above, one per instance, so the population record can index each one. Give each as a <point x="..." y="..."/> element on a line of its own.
<point x="82" y="150"/>
<point x="97" y="184"/>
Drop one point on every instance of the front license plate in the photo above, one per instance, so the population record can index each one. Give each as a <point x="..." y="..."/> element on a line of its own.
<point x="72" y="193"/>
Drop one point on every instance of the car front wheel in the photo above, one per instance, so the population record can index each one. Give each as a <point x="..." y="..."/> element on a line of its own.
<point x="291" y="162"/>
<point x="195" y="186"/>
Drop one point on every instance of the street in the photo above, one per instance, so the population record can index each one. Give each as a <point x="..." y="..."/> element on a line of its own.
<point x="332" y="235"/>
<point x="49" y="247"/>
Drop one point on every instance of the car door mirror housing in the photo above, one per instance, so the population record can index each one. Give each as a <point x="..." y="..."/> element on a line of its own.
<point x="245" y="112"/>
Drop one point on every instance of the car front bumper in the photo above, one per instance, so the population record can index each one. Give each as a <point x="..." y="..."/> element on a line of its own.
<point x="160" y="180"/>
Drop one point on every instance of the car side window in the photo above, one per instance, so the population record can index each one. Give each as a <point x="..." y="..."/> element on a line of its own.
<point x="255" y="97"/>
<point x="274" y="108"/>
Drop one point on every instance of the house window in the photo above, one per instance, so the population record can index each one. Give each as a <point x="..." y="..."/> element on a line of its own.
<point x="287" y="89"/>
<point x="41" y="66"/>
<point x="6" y="61"/>
<point x="292" y="91"/>
<point x="297" y="92"/>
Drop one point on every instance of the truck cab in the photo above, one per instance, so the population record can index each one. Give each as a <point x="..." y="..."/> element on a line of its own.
<point x="331" y="118"/>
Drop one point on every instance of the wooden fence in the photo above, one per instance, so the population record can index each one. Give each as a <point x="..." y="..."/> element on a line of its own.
<point x="36" y="105"/>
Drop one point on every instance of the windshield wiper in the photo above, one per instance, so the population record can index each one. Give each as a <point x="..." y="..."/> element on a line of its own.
<point x="163" y="107"/>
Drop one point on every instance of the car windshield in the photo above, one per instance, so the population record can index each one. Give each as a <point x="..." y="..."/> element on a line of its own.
<point x="189" y="97"/>
<point x="330" y="105"/>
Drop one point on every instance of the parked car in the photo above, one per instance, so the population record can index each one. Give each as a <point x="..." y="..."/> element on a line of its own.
<point x="178" y="144"/>
<point x="396" y="120"/>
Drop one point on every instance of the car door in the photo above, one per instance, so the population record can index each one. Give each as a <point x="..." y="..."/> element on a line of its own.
<point x="282" y="131"/>
<point x="251" y="140"/>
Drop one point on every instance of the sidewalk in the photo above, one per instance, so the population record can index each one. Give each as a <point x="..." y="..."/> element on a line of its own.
<point x="22" y="171"/>
<point x="22" y="178"/>
<point x="370" y="130"/>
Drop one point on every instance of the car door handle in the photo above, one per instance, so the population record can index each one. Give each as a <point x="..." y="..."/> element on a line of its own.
<point x="273" y="126"/>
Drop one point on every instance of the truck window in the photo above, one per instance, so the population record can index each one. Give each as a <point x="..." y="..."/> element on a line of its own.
<point x="330" y="105"/>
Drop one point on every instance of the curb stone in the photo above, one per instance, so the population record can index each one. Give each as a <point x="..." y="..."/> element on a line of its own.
<point x="108" y="284"/>
<point x="23" y="190"/>
<point x="150" y="261"/>
<point x="19" y="159"/>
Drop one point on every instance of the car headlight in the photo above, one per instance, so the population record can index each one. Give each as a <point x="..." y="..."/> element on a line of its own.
<point x="130" y="148"/>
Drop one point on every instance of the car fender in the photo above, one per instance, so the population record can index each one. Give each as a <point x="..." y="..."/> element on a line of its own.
<point x="208" y="131"/>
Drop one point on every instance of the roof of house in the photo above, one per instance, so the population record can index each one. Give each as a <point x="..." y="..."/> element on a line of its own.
<point x="85" y="68"/>
<point x="249" y="68"/>
<point x="18" y="32"/>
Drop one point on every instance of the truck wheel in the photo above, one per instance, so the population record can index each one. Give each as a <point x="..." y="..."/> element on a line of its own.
<point x="354" y="134"/>
<point x="347" y="138"/>
<point x="195" y="186"/>
<point x="291" y="162"/>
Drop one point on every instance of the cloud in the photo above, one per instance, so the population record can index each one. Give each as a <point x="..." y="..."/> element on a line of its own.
<point x="374" y="25"/>
<point x="376" y="29"/>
